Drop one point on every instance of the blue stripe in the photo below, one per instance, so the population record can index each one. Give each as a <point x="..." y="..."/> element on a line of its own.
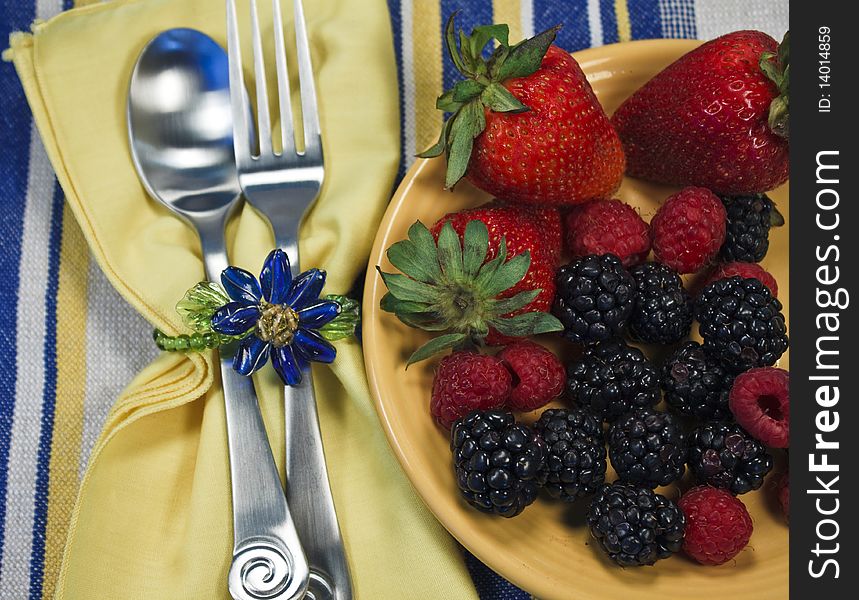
<point x="575" y="32"/>
<point x="608" y="18"/>
<point x="14" y="165"/>
<point x="645" y="19"/>
<point x="40" y="517"/>
<point x="490" y="585"/>
<point x="471" y="14"/>
<point x="678" y="19"/>
<point x="397" y="29"/>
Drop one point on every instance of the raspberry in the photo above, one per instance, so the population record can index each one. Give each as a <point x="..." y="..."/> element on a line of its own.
<point x="608" y="227"/>
<point x="784" y="494"/>
<point x="538" y="375"/>
<point x="745" y="270"/>
<point x="688" y="229"/>
<point x="718" y="525"/>
<point x="760" y="401"/>
<point x="465" y="381"/>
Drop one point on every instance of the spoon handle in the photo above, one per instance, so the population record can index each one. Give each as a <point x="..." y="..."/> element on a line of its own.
<point x="268" y="560"/>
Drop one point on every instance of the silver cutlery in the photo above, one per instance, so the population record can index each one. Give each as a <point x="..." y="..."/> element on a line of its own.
<point x="181" y="144"/>
<point x="282" y="186"/>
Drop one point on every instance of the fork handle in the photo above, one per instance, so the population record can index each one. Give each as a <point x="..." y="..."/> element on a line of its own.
<point x="309" y="494"/>
<point x="308" y="490"/>
<point x="268" y="561"/>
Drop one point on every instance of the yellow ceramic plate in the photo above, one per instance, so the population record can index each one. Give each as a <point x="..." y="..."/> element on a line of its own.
<point x="547" y="550"/>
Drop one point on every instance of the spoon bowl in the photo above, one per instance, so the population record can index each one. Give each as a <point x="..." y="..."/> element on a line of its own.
<point x="180" y="125"/>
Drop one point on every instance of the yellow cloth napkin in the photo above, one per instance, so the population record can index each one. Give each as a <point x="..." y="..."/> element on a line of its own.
<point x="153" y="516"/>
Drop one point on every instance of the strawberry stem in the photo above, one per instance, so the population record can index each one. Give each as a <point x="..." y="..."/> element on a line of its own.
<point x="776" y="66"/>
<point x="481" y="88"/>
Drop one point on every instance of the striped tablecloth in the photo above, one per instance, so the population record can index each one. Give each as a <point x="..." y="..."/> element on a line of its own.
<point x="69" y="343"/>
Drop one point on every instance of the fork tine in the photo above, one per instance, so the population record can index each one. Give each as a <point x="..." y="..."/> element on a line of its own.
<point x="309" y="109"/>
<point x="263" y="118"/>
<point x="238" y="99"/>
<point x="287" y="131"/>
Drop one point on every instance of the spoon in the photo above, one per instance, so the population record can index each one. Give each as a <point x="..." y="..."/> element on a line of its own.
<point x="181" y="135"/>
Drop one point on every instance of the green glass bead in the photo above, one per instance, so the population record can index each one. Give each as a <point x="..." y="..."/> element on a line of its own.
<point x="197" y="343"/>
<point x="182" y="343"/>
<point x="211" y="340"/>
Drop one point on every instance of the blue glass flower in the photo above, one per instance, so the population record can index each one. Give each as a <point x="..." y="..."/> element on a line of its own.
<point x="284" y="314"/>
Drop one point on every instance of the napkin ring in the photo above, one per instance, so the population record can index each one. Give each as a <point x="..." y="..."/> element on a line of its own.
<point x="276" y="316"/>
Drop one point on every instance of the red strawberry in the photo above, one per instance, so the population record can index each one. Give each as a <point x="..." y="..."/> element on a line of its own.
<point x="716" y="117"/>
<point x="465" y="381"/>
<point x="522" y="232"/>
<point x="468" y="291"/>
<point x="526" y="126"/>
<point x="548" y="221"/>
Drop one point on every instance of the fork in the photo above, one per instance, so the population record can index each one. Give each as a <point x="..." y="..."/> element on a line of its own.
<point x="283" y="186"/>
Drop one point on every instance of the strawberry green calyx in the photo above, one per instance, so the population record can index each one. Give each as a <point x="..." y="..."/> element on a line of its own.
<point x="776" y="66"/>
<point x="448" y="287"/>
<point x="482" y="88"/>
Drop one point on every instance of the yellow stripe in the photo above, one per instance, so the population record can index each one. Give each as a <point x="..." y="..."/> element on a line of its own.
<point x="71" y="382"/>
<point x="624" y="29"/>
<point x="510" y="12"/>
<point x="427" y="52"/>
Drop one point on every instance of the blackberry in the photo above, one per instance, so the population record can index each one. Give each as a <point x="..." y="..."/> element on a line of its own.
<point x="635" y="525"/>
<point x="663" y="308"/>
<point x="696" y="384"/>
<point x="647" y="447"/>
<point x="497" y="461"/>
<point x="595" y="298"/>
<point x="748" y="228"/>
<point x="723" y="455"/>
<point x="575" y="460"/>
<point x="611" y="379"/>
<point x="741" y="323"/>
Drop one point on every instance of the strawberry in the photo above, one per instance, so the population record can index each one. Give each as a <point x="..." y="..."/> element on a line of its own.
<point x="465" y="286"/>
<point x="525" y="230"/>
<point x="715" y="118"/>
<point x="526" y="125"/>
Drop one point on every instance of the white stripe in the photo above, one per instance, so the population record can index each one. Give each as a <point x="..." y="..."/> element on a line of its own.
<point x="717" y="17"/>
<point x="30" y="382"/>
<point x="30" y="371"/>
<point x="45" y="9"/>
<point x="119" y="345"/>
<point x="595" y="23"/>
<point x="407" y="53"/>
<point x="526" y="9"/>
